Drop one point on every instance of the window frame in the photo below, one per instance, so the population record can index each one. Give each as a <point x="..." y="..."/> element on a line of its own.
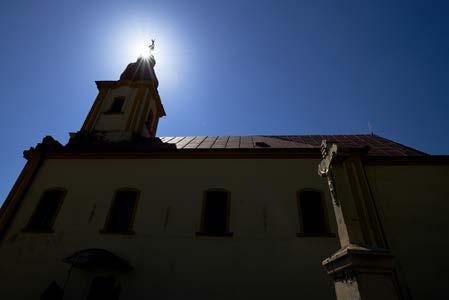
<point x="113" y="112"/>
<point x="28" y="227"/>
<point x="327" y="232"/>
<point x="130" y="230"/>
<point x="202" y="231"/>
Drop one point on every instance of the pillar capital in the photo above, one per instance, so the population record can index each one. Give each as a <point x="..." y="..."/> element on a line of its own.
<point x="363" y="273"/>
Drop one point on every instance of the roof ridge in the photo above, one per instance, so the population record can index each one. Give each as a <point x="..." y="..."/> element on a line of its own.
<point x="402" y="145"/>
<point x="272" y="135"/>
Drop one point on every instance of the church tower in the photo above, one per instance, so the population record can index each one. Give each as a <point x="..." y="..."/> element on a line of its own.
<point x="126" y="109"/>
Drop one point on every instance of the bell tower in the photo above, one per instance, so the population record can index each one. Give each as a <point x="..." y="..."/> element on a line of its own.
<point x="128" y="108"/>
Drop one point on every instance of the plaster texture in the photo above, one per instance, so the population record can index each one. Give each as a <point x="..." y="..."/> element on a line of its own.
<point x="413" y="206"/>
<point x="263" y="259"/>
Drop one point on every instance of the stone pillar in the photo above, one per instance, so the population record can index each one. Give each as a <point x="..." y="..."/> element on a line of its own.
<point x="363" y="268"/>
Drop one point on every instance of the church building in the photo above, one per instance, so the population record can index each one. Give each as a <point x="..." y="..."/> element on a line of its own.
<point x="120" y="213"/>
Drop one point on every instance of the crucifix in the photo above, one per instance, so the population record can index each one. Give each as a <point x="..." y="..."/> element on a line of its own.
<point x="151" y="46"/>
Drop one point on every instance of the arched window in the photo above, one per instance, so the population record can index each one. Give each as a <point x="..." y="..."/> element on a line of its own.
<point x="215" y="217"/>
<point x="312" y="213"/>
<point x="121" y="213"/>
<point x="44" y="214"/>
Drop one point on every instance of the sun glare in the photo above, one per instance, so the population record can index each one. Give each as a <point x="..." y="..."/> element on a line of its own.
<point x="140" y="49"/>
<point x="132" y="42"/>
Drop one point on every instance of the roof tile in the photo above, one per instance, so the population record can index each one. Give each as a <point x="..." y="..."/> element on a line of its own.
<point x="379" y="146"/>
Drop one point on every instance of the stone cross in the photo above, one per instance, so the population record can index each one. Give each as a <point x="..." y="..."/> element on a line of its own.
<point x="151" y="46"/>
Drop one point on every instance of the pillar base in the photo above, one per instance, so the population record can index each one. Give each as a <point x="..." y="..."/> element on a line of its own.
<point x="363" y="273"/>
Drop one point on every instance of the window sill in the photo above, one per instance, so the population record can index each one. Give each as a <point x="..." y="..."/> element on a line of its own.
<point x="129" y="232"/>
<point x="210" y="234"/>
<point x="324" y="234"/>
<point x="31" y="230"/>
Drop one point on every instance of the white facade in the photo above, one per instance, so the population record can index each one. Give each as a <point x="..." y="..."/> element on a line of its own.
<point x="264" y="258"/>
<point x="382" y="198"/>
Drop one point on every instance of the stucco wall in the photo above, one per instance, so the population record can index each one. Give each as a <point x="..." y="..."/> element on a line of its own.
<point x="413" y="203"/>
<point x="115" y="121"/>
<point x="264" y="259"/>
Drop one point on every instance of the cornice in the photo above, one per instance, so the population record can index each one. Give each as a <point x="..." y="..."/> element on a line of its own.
<point x="112" y="84"/>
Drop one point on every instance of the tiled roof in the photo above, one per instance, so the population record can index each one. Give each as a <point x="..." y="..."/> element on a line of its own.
<point x="378" y="146"/>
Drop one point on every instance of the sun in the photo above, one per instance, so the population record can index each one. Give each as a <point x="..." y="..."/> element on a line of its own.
<point x="141" y="48"/>
<point x="137" y="45"/>
<point x="131" y="44"/>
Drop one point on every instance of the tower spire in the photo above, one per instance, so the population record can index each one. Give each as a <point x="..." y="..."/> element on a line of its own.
<point x="143" y="68"/>
<point x="129" y="107"/>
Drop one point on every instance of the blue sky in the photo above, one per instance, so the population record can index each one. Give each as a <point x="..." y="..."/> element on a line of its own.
<point x="230" y="68"/>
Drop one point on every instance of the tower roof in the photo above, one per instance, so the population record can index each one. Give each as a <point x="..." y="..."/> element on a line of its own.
<point x="141" y="69"/>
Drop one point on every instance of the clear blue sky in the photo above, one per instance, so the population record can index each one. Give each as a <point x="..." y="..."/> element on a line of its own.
<point x="230" y="67"/>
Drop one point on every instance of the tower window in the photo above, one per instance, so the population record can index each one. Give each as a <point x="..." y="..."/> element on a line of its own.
<point x="312" y="214"/>
<point x="46" y="210"/>
<point x="215" y="219"/>
<point x="122" y="211"/>
<point x="117" y="105"/>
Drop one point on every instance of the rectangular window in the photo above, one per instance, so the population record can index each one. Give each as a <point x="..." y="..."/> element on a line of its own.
<point x="46" y="210"/>
<point x="215" y="220"/>
<point x="122" y="212"/>
<point x="117" y="105"/>
<point x="312" y="212"/>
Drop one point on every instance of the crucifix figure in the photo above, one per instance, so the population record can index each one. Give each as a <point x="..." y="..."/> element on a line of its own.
<point x="151" y="46"/>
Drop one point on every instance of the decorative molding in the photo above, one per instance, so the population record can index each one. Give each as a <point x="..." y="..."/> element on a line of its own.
<point x="94" y="111"/>
<point x="48" y="144"/>
<point x="181" y="154"/>
<point x="346" y="276"/>
<point x="18" y="191"/>
<point x="347" y="263"/>
<point x="113" y="84"/>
